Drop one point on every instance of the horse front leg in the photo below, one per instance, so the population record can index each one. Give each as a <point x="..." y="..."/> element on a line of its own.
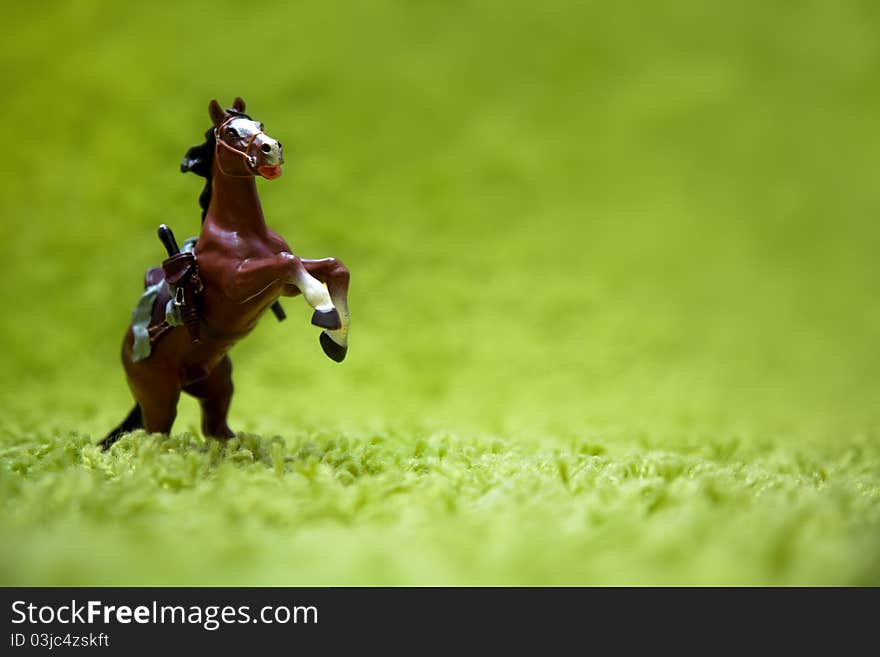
<point x="323" y="293"/>
<point x="336" y="276"/>
<point x="255" y="275"/>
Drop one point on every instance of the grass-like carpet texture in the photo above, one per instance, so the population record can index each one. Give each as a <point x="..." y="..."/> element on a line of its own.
<point x="615" y="294"/>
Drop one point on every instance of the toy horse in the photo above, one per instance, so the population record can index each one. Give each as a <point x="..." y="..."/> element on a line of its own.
<point x="208" y="297"/>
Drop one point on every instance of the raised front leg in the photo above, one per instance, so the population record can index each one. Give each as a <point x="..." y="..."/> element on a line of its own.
<point x="336" y="275"/>
<point x="254" y="275"/>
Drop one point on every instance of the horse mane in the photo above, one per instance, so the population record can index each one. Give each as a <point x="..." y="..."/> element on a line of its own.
<point x="200" y="161"/>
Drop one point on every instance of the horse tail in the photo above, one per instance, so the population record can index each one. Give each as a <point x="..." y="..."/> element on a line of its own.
<point x="134" y="420"/>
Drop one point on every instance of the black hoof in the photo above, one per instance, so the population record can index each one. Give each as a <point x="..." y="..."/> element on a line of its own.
<point x="327" y="319"/>
<point x="333" y="350"/>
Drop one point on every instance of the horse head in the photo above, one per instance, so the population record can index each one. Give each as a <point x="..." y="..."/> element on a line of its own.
<point x="242" y="148"/>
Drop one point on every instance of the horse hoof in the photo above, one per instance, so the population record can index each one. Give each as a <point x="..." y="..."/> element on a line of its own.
<point x="327" y="319"/>
<point x="333" y="350"/>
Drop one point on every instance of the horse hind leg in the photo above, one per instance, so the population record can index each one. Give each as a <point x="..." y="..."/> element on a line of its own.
<point x="156" y="392"/>
<point x="155" y="413"/>
<point x="159" y="409"/>
<point x="215" y="395"/>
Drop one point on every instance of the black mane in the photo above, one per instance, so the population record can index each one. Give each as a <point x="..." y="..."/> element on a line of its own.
<point x="200" y="160"/>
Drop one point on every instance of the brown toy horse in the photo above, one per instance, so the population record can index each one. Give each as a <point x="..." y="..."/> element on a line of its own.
<point x="243" y="268"/>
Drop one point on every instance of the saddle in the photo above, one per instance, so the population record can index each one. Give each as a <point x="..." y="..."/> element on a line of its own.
<point x="182" y="285"/>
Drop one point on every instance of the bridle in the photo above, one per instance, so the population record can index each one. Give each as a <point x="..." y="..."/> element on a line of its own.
<point x="249" y="160"/>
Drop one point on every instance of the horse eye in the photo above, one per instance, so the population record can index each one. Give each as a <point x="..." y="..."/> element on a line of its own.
<point x="232" y="134"/>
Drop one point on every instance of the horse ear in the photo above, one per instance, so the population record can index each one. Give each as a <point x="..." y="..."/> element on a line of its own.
<point x="217" y="113"/>
<point x="238" y="104"/>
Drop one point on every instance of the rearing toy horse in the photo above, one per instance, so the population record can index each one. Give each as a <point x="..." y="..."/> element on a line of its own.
<point x="242" y="269"/>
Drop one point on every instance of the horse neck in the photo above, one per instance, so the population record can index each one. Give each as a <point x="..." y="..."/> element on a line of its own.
<point x="235" y="205"/>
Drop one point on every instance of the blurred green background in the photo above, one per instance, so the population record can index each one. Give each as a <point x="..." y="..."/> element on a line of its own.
<point x="583" y="236"/>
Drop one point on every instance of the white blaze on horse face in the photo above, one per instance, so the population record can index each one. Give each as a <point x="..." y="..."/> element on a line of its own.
<point x="245" y="130"/>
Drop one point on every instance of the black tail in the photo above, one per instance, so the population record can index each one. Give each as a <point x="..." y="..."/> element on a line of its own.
<point x="134" y="421"/>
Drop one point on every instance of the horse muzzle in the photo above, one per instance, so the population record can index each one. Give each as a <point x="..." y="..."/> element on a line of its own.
<point x="269" y="156"/>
